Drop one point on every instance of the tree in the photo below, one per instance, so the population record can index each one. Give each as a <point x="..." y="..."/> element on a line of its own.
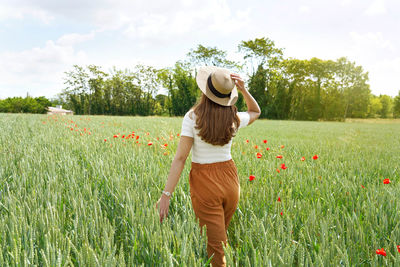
<point x="260" y="51"/>
<point x="211" y="56"/>
<point x="396" y="106"/>
<point x="387" y="104"/>
<point x="321" y="72"/>
<point x="25" y="105"/>
<point x="375" y="106"/>
<point x="352" y="82"/>
<point x="76" y="88"/>
<point x="147" y="79"/>
<point x="186" y="92"/>
<point x="96" y="89"/>
<point x="262" y="60"/>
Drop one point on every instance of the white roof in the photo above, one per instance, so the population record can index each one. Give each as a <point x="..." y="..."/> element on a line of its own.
<point x="53" y="109"/>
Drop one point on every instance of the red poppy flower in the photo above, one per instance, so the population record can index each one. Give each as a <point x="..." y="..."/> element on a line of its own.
<point x="177" y="135"/>
<point x="123" y="136"/>
<point x="281" y="213"/>
<point x="278" y="170"/>
<point x="303" y="159"/>
<point x="105" y="140"/>
<point x="282" y="146"/>
<point x="265" y="141"/>
<point x="279" y="156"/>
<point x="251" y="177"/>
<point x="165" y="145"/>
<point x="259" y="155"/>
<point x="247" y="140"/>
<point x="315" y="157"/>
<point x="386" y="181"/>
<point x="267" y="148"/>
<point x="381" y="252"/>
<point x="398" y="248"/>
<point x="362" y="186"/>
<point x="149" y="143"/>
<point x="283" y="166"/>
<point x="137" y="137"/>
<point x="279" y="199"/>
<point x="255" y="146"/>
<point x="147" y="133"/>
<point x="115" y="136"/>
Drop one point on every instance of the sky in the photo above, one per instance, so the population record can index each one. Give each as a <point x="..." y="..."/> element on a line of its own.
<point x="42" y="39"/>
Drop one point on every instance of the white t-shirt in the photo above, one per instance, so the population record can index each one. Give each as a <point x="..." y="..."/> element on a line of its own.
<point x="203" y="152"/>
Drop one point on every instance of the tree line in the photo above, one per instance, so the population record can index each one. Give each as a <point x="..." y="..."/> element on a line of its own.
<point x="285" y="88"/>
<point x="25" y="105"/>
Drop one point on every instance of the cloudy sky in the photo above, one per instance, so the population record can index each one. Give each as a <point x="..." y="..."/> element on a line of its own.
<point x="41" y="39"/>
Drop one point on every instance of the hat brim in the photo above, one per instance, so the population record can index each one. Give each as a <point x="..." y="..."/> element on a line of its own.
<point x="201" y="79"/>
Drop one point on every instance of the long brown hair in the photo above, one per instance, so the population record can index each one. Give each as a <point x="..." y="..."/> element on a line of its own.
<point x="217" y="124"/>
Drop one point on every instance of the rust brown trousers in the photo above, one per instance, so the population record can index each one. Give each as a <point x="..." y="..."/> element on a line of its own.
<point x="215" y="190"/>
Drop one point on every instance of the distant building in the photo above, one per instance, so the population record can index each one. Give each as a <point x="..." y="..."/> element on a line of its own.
<point x="59" y="110"/>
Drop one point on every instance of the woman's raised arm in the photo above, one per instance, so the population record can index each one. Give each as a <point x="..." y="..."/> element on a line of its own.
<point x="252" y="107"/>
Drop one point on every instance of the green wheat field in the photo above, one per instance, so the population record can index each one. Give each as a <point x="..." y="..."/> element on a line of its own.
<point x="72" y="194"/>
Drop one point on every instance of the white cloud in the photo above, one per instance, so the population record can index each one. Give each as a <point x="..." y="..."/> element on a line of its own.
<point x="377" y="7"/>
<point x="383" y="76"/>
<point x="346" y="2"/>
<point x="13" y="11"/>
<point x="74" y="38"/>
<point x="304" y="9"/>
<point x="379" y="56"/>
<point x="160" y="31"/>
<point x="371" y="43"/>
<point x="139" y="19"/>
<point x="192" y="17"/>
<point x="39" y="69"/>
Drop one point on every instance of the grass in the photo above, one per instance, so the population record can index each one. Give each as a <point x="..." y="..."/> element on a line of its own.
<point x="70" y="198"/>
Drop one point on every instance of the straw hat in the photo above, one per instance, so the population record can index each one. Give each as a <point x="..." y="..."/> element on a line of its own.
<point x="216" y="83"/>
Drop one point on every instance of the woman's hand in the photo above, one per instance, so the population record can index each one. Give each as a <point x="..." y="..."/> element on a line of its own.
<point x="163" y="205"/>
<point x="239" y="82"/>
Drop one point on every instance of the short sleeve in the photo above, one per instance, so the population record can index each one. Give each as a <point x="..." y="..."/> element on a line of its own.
<point x="187" y="126"/>
<point x="244" y="119"/>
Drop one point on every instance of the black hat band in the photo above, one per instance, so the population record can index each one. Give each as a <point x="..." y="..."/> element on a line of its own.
<point x="214" y="91"/>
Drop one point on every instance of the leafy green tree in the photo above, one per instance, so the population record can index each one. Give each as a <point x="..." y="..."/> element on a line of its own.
<point x="76" y="90"/>
<point x="353" y="83"/>
<point x="262" y="61"/>
<point x="387" y="104"/>
<point x="147" y="79"/>
<point x="396" y="106"/>
<point x="165" y="76"/>
<point x="186" y="92"/>
<point x="96" y="90"/>
<point x="24" y="105"/>
<point x="43" y="104"/>
<point x="375" y="106"/>
<point x="321" y="72"/>
<point x="211" y="56"/>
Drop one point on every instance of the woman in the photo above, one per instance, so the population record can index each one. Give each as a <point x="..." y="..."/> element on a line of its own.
<point x="208" y="129"/>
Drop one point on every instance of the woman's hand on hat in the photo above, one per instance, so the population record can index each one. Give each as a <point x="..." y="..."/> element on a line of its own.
<point x="163" y="205"/>
<point x="239" y="82"/>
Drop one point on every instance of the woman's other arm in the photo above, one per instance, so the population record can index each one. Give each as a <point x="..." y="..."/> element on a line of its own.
<point x="183" y="150"/>
<point x="252" y="107"/>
